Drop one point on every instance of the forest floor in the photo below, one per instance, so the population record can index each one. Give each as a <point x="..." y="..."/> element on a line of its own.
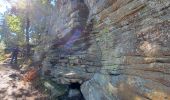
<point x="13" y="88"/>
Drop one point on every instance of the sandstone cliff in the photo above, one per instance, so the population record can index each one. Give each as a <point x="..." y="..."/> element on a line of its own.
<point x="116" y="49"/>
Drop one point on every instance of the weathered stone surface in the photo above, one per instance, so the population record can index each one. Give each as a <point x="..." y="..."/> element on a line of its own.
<point x="136" y="62"/>
<point x="69" y="59"/>
<point x="118" y="49"/>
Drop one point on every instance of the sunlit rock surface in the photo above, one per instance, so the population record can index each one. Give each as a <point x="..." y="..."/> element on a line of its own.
<point x="117" y="49"/>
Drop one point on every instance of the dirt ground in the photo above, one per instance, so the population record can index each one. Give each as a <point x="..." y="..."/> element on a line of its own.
<point x="13" y="88"/>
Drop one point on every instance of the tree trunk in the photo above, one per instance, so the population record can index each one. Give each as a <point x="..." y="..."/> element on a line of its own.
<point x="27" y="37"/>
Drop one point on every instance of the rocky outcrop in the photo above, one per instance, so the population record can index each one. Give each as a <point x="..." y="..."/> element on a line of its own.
<point x="117" y="49"/>
<point x="71" y="58"/>
<point x="134" y="38"/>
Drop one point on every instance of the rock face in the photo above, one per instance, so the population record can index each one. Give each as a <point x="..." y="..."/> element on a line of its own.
<point x="71" y="58"/>
<point x="117" y="49"/>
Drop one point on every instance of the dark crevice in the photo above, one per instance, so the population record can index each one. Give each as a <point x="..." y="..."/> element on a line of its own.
<point x="75" y="86"/>
<point x="74" y="93"/>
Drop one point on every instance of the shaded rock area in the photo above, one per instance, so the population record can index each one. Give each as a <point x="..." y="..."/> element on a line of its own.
<point x="73" y="93"/>
<point x="116" y="49"/>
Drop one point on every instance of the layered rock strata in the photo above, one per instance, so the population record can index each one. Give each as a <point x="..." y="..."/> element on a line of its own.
<point x="117" y="49"/>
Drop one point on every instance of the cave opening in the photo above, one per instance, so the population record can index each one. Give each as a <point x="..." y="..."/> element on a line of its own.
<point x="75" y="92"/>
<point x="75" y="86"/>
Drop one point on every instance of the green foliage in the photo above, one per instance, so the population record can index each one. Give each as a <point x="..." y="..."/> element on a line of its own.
<point x="39" y="13"/>
<point x="2" y="48"/>
<point x="44" y="1"/>
<point x="14" y="23"/>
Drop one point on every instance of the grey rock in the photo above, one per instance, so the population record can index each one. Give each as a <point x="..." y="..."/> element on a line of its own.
<point x="126" y="59"/>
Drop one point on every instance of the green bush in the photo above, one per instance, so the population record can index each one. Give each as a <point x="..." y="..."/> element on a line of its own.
<point x="2" y="53"/>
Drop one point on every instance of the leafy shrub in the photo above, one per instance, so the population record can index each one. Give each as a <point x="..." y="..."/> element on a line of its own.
<point x="2" y="48"/>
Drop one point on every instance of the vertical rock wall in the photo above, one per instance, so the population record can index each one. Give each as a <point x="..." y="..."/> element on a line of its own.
<point x="134" y="38"/>
<point x="121" y="48"/>
<point x="72" y="57"/>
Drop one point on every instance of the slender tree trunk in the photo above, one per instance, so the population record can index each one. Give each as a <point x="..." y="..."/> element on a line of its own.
<point x="27" y="36"/>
